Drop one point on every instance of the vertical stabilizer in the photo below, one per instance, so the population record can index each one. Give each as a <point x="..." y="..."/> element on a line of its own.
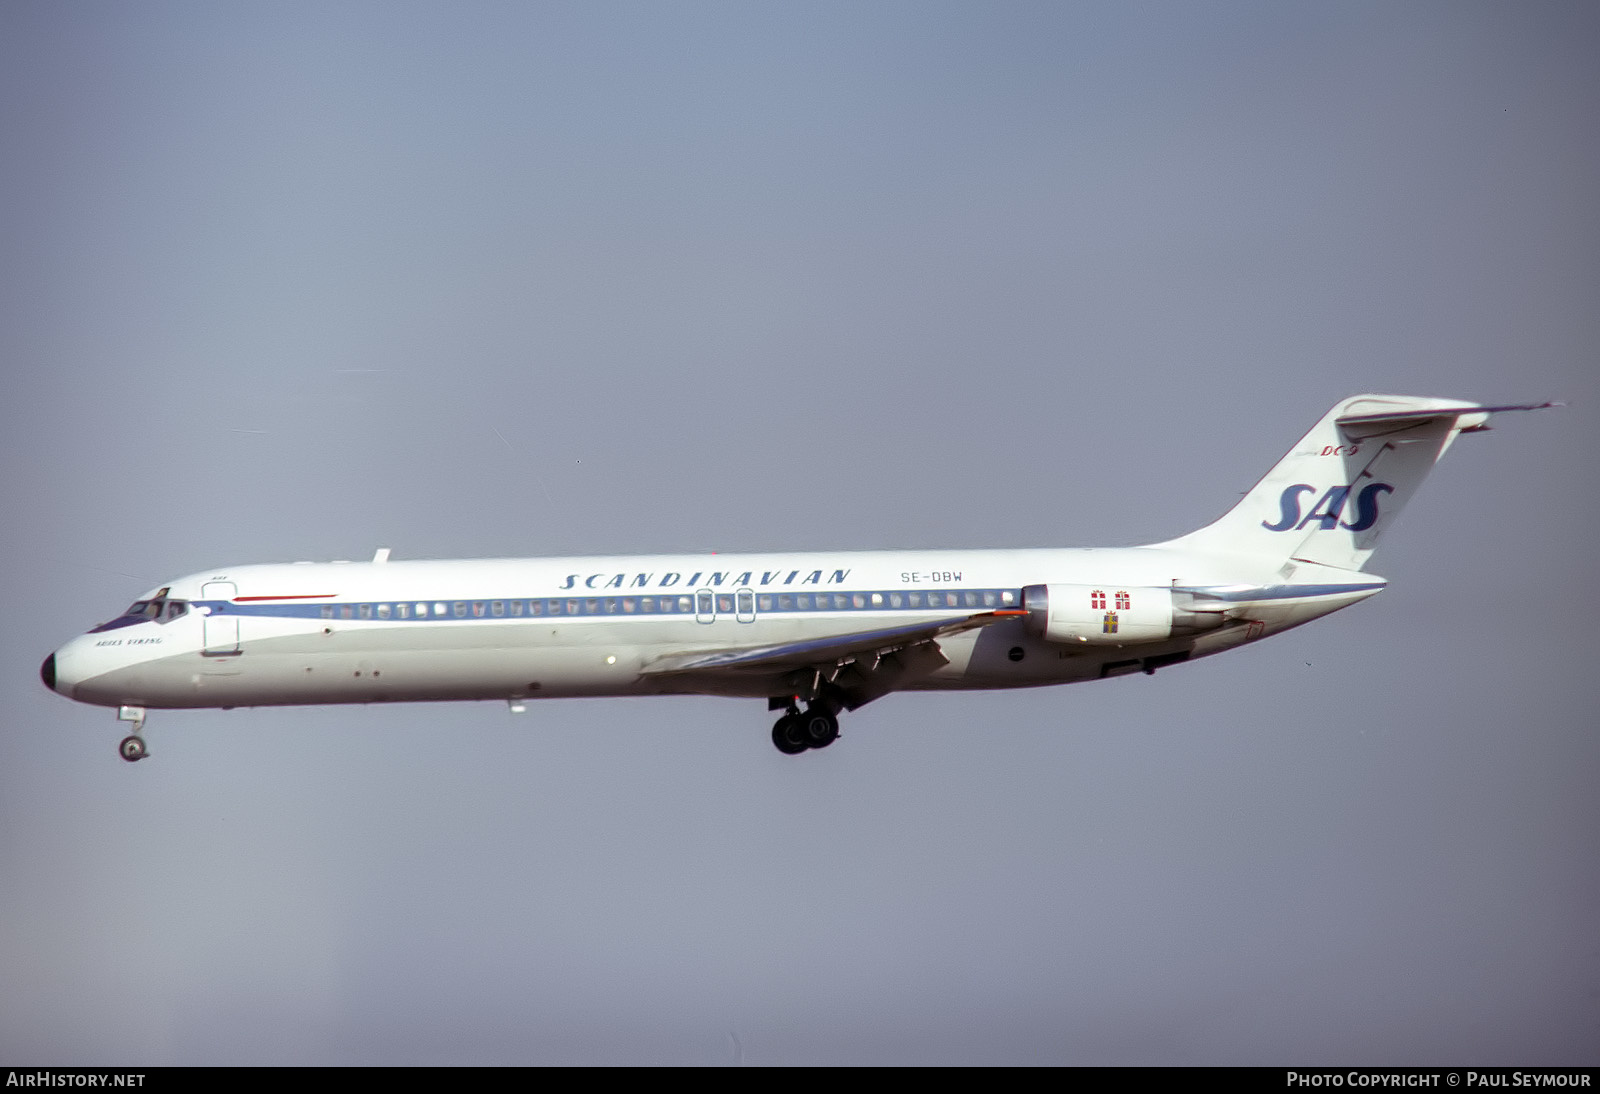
<point x="1336" y="491"/>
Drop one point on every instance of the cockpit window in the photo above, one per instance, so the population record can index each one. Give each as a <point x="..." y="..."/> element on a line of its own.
<point x="160" y="609"/>
<point x="139" y="611"/>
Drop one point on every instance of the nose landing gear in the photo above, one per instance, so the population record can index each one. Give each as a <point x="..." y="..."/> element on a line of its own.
<point x="795" y="732"/>
<point x="132" y="747"/>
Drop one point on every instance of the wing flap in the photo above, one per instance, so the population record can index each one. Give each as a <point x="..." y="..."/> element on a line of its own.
<point x="825" y="651"/>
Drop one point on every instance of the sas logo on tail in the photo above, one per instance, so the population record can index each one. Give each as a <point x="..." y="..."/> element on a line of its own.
<point x="1329" y="507"/>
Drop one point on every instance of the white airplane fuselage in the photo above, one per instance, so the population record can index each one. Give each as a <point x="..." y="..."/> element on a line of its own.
<point x="832" y="630"/>
<point x="548" y="628"/>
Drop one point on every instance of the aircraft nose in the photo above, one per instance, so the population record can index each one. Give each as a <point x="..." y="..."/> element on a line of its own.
<point x="47" y="672"/>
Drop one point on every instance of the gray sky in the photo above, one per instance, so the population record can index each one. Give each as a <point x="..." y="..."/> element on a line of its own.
<point x="288" y="281"/>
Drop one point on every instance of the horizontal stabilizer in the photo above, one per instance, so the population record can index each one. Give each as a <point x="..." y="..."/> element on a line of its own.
<point x="1439" y="412"/>
<point x="1465" y="417"/>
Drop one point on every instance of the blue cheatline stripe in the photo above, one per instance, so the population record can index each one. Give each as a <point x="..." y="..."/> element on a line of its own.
<point x="723" y="603"/>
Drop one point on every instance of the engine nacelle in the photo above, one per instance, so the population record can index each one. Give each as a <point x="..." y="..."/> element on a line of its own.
<point x="1110" y="615"/>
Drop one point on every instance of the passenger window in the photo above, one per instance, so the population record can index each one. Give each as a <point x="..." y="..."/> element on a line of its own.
<point x="648" y="605"/>
<point x="383" y="611"/>
<point x="896" y="600"/>
<point x="477" y="609"/>
<point x="535" y="607"/>
<point x="970" y="598"/>
<point x="402" y="611"/>
<point x="858" y="601"/>
<point x="765" y="603"/>
<point x="516" y="607"/>
<point x="786" y="603"/>
<point x="460" y="609"/>
<point x="724" y="603"/>
<point x="345" y="611"/>
<point x="498" y="607"/>
<point x="422" y="611"/>
<point x="591" y="606"/>
<point x="916" y="600"/>
<point x="366" y="611"/>
<point x="438" y="609"/>
<point x="327" y="611"/>
<point x="1007" y="597"/>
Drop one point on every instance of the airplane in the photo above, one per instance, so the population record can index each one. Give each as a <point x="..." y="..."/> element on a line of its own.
<point x="831" y="630"/>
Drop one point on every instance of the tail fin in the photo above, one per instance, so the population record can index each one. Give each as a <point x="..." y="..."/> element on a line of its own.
<point x="1332" y="496"/>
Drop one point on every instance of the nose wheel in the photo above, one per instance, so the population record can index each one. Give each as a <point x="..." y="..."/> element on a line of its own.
<point x="132" y="747"/>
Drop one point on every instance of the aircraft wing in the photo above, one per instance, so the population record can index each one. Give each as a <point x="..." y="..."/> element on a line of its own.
<point x="830" y="651"/>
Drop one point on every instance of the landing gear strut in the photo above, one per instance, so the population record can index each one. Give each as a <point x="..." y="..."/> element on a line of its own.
<point x="795" y="732"/>
<point x="132" y="748"/>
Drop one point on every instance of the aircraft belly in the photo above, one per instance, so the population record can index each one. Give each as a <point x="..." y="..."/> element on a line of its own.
<point x="293" y="670"/>
<point x="1005" y="656"/>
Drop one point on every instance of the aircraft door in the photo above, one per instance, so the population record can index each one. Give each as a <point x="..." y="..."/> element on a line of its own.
<point x="705" y="606"/>
<point x="221" y="628"/>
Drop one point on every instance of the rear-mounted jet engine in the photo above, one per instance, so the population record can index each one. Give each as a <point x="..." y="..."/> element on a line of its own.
<point x="1109" y="615"/>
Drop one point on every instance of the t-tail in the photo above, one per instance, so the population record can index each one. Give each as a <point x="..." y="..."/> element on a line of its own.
<point x="1330" y="499"/>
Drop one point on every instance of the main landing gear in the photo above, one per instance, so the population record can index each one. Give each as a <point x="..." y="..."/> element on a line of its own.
<point x="132" y="748"/>
<point x="795" y="732"/>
